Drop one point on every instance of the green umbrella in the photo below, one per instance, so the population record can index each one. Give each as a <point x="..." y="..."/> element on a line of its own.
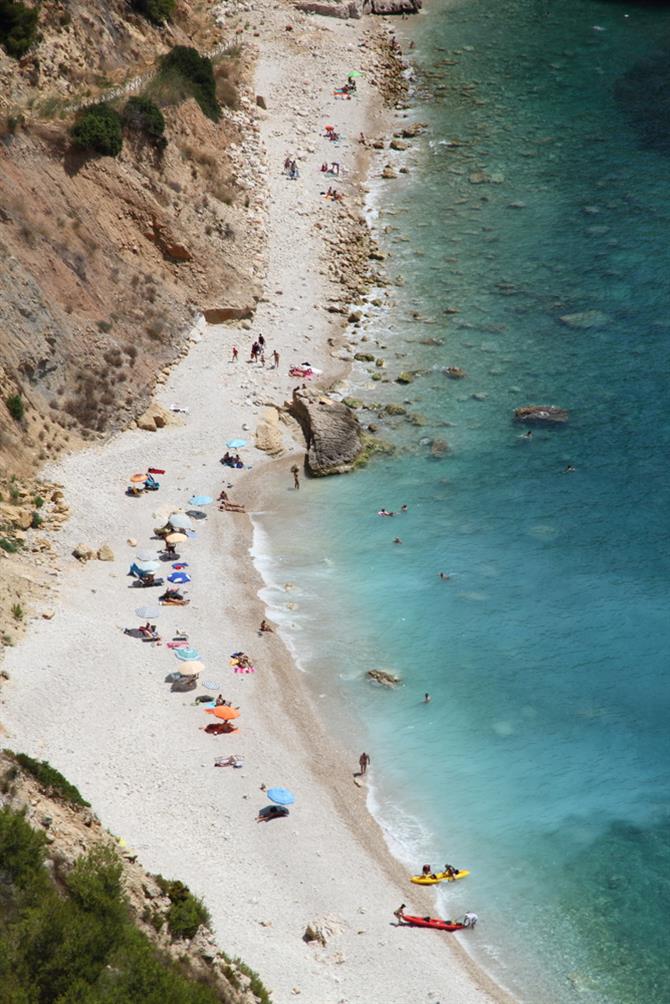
<point x="355" y="73"/>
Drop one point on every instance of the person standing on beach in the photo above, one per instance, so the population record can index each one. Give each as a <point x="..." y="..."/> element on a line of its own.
<point x="364" y="760"/>
<point x="235" y="354"/>
<point x="296" y="477"/>
<point x="275" y="357"/>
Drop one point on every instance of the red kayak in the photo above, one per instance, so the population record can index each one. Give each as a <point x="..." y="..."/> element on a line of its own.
<point x="435" y="922"/>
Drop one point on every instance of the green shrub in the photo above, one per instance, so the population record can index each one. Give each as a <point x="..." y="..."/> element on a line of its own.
<point x="49" y="777"/>
<point x="18" y="27"/>
<point x="145" y="117"/>
<point x="8" y="545"/>
<point x="16" y="407"/>
<point x="186" y="912"/>
<point x="21" y="851"/>
<point x="98" y="128"/>
<point x="156" y="11"/>
<point x="79" y="945"/>
<point x="185" y="67"/>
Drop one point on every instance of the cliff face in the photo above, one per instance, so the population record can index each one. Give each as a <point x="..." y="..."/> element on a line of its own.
<point x="108" y="260"/>
<point x="69" y="832"/>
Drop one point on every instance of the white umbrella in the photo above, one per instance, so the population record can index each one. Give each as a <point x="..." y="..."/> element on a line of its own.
<point x="146" y="555"/>
<point x="179" y="520"/>
<point x="148" y="566"/>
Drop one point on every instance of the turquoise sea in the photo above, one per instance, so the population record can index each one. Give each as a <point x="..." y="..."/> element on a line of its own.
<point x="542" y="762"/>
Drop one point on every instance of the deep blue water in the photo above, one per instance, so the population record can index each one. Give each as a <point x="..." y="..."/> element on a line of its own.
<point x="542" y="762"/>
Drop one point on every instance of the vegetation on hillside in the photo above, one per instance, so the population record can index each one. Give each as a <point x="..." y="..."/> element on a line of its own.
<point x="51" y="779"/>
<point x="78" y="945"/>
<point x="185" y="73"/>
<point x="98" y="130"/>
<point x="145" y="117"/>
<point x="18" y="27"/>
<point x="156" y="11"/>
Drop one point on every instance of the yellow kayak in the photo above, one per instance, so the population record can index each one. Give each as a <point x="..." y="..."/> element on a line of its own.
<point x="438" y="877"/>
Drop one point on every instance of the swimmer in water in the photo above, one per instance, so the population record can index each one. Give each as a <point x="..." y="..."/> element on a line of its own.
<point x="427" y="698"/>
<point x="397" y="540"/>
<point x="569" y="469"/>
<point x="444" y="576"/>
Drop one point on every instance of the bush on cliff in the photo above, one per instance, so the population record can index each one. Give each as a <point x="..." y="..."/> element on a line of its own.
<point x="146" y="118"/>
<point x="78" y="945"/>
<point x="156" y="11"/>
<point x="18" y="27"/>
<point x="98" y="129"/>
<point x="187" y="912"/>
<point x="50" y="778"/>
<point x="185" y="73"/>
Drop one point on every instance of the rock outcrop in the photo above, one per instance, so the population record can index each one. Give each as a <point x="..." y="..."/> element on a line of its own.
<point x="332" y="432"/>
<point x="541" y="414"/>
<point x="269" y="437"/>
<point x="383" y="677"/>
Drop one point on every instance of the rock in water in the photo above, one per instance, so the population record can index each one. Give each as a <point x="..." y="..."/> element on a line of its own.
<point x="383" y="677"/>
<point x="331" y="430"/>
<point x="585" y="319"/>
<point x="541" y="414"/>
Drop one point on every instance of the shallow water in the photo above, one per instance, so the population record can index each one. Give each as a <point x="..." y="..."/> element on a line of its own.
<point x="542" y="762"/>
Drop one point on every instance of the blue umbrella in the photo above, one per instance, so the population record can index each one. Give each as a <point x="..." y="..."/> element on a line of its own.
<point x="179" y="577"/>
<point x="186" y="654"/>
<point x="200" y="500"/>
<point x="236" y="444"/>
<point x="179" y="565"/>
<point x="282" y="796"/>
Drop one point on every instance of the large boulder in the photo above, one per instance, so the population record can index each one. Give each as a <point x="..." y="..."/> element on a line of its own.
<point x="346" y="9"/>
<point x="332" y="432"/>
<point x="384" y="677"/>
<point x="268" y="433"/>
<point x="541" y="414"/>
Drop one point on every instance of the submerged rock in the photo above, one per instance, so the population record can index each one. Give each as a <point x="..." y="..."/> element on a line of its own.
<point x="384" y="677"/>
<point x="585" y="319"/>
<point x="541" y="414"/>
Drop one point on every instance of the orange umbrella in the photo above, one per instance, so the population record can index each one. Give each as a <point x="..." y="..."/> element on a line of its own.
<point x="138" y="479"/>
<point x="227" y="714"/>
<point x="191" y="667"/>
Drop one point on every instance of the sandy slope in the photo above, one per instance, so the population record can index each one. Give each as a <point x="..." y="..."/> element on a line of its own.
<point x="94" y="702"/>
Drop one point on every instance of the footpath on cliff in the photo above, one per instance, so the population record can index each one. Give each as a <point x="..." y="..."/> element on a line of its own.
<point x="94" y="702"/>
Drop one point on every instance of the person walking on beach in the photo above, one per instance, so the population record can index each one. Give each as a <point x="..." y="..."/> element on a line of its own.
<point x="275" y="357"/>
<point x="235" y="354"/>
<point x="363" y="761"/>
<point x="296" y="477"/>
<point x="255" y="349"/>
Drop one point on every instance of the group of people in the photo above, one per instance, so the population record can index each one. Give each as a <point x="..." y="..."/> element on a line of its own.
<point x="291" y="168"/>
<point x="448" y="870"/>
<point x="232" y="460"/>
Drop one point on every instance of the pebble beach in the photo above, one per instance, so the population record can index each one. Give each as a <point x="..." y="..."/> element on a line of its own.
<point x="95" y="703"/>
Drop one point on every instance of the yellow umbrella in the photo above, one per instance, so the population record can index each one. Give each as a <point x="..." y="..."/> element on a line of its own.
<point x="176" y="538"/>
<point x="191" y="668"/>
<point x="138" y="479"/>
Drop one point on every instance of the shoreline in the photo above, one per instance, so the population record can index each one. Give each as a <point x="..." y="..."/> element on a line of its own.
<point x="147" y="756"/>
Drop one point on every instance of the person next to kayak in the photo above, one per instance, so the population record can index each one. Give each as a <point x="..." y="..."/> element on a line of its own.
<point x="400" y="912"/>
<point x="450" y="871"/>
<point x="426" y="870"/>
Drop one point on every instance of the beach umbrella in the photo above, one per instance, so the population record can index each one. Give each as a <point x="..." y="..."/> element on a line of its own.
<point x="177" y="565"/>
<point x="180" y="521"/>
<point x="148" y="566"/>
<point x="187" y="654"/>
<point x="211" y="685"/>
<point x="355" y="73"/>
<point x="227" y="714"/>
<point x="148" y="613"/>
<point x="180" y="577"/>
<point x="282" y="796"/>
<point x="176" y="538"/>
<point x="236" y="444"/>
<point x="138" y="479"/>
<point x="146" y="555"/>
<point x="192" y="666"/>
<point x="201" y="500"/>
<point x="196" y="514"/>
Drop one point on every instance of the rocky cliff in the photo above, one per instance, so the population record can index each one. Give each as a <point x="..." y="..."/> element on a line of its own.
<point x="67" y="833"/>
<point x="108" y="260"/>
